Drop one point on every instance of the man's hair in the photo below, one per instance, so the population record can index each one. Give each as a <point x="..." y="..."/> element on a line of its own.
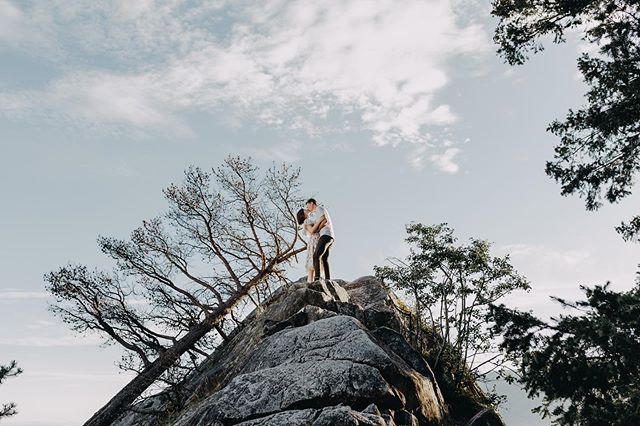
<point x="311" y="200"/>
<point x="300" y="216"/>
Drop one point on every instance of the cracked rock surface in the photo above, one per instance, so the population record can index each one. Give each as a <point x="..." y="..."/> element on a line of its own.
<point x="322" y="353"/>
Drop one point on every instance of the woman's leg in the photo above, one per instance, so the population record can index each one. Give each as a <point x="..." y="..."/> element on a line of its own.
<point x="310" y="275"/>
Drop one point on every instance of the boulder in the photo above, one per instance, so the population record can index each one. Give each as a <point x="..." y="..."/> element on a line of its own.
<point x="321" y="353"/>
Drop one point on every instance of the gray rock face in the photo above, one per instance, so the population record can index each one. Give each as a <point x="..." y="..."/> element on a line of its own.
<point x="329" y="361"/>
<point x="324" y="353"/>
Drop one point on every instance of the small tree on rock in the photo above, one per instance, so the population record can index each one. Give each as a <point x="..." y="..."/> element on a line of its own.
<point x="451" y="286"/>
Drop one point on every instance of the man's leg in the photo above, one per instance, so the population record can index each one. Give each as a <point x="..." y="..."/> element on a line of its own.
<point x="325" y="259"/>
<point x="320" y="249"/>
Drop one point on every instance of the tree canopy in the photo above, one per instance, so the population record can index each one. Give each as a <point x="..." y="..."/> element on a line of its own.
<point x="451" y="285"/>
<point x="598" y="156"/>
<point x="585" y="364"/>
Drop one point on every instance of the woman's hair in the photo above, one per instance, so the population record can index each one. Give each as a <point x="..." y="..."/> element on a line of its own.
<point x="300" y="216"/>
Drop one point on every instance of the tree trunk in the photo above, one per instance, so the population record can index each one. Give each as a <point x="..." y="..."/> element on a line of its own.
<point x="128" y="394"/>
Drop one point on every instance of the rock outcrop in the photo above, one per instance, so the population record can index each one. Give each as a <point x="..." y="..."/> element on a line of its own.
<point x="322" y="353"/>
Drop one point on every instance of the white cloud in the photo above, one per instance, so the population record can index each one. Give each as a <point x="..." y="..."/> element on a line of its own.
<point x="15" y="104"/>
<point x="51" y="341"/>
<point x="444" y="161"/>
<point x="119" y="169"/>
<point x="92" y="377"/>
<point x="302" y="66"/>
<point x="41" y="324"/>
<point x="548" y="257"/>
<point x="552" y="271"/>
<point x="22" y="295"/>
<point x="285" y="151"/>
<point x="10" y="17"/>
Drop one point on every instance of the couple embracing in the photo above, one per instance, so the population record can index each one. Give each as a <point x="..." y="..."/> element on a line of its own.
<point x="317" y="222"/>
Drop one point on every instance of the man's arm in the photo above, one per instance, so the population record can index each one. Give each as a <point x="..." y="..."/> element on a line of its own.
<point x="319" y="225"/>
<point x="322" y="215"/>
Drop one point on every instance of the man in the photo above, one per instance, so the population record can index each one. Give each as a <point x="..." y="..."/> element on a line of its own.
<point x="326" y="238"/>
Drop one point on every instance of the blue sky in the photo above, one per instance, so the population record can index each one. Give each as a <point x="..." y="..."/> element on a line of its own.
<point x="395" y="114"/>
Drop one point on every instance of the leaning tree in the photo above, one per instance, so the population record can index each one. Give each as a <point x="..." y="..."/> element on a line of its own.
<point x="225" y="238"/>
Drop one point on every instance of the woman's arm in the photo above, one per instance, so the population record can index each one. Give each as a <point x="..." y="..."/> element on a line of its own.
<point x="318" y="226"/>
<point x="309" y="228"/>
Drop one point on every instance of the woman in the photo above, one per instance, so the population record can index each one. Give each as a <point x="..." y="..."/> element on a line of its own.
<point x="312" y="229"/>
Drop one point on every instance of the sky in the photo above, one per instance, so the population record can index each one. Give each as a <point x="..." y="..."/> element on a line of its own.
<point x="395" y="112"/>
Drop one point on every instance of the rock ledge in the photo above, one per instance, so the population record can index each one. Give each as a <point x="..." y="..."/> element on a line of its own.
<point x="323" y="353"/>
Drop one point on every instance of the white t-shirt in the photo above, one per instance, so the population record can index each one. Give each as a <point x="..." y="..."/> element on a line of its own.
<point x="317" y="216"/>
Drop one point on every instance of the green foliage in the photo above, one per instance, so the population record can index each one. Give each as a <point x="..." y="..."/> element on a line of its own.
<point x="630" y="230"/>
<point x="10" y="370"/>
<point x="599" y="152"/>
<point x="585" y="364"/>
<point x="451" y="285"/>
